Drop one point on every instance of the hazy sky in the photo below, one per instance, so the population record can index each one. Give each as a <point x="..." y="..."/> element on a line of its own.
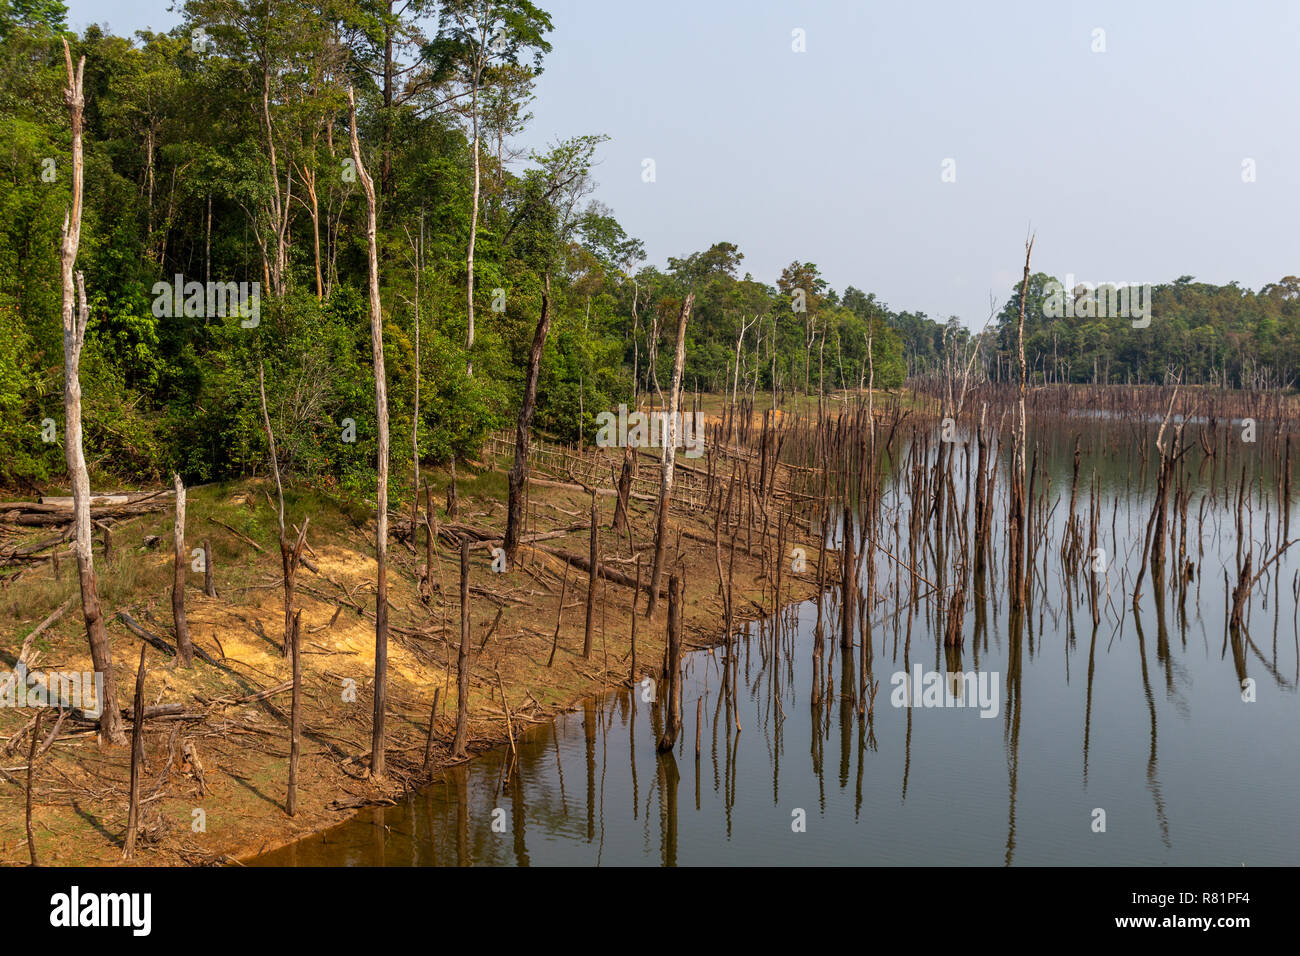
<point x="1128" y="163"/>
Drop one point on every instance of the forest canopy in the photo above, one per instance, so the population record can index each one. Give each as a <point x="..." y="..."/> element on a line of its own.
<point x="217" y="154"/>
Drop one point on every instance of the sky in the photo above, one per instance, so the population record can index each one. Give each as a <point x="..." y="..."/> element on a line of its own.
<point x="910" y="148"/>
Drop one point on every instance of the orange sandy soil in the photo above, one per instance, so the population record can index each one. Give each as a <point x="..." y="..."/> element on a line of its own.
<point x="80" y="790"/>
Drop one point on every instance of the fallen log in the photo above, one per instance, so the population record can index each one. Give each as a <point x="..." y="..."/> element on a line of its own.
<point x="605" y="571"/>
<point x="157" y="642"/>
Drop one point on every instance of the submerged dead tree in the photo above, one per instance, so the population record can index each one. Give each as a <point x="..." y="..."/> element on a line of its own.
<point x="1016" y="503"/>
<point x="669" y="456"/>
<point x="74" y="333"/>
<point x="381" y="476"/>
<point x="673" y="653"/>
<point x="518" y="479"/>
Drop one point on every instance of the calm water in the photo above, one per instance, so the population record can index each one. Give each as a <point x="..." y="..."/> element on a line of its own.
<point x="1142" y="719"/>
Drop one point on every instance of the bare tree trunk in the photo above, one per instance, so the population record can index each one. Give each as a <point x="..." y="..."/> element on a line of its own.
<point x="295" y="716"/>
<point x="137" y="757"/>
<point x="31" y="770"/>
<point x="519" y="471"/>
<point x="669" y="456"/>
<point x="381" y="494"/>
<point x="209" y="575"/>
<point x="462" y="656"/>
<point x="74" y="331"/>
<point x="415" y="412"/>
<point x="1017" y="502"/>
<point x="673" y="711"/>
<point x="289" y="556"/>
<point x="429" y="540"/>
<point x="624" y="488"/>
<point x="184" y="649"/>
<point x="473" y="236"/>
<point x="592" y="574"/>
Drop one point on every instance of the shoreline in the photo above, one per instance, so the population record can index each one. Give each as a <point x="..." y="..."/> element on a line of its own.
<point x="235" y="715"/>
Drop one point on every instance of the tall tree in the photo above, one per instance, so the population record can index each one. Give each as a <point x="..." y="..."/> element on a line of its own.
<point x="669" y="455"/>
<point x="74" y="334"/>
<point x="381" y="469"/>
<point x="473" y="36"/>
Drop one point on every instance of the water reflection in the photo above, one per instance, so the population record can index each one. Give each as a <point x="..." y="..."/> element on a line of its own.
<point x="1153" y="729"/>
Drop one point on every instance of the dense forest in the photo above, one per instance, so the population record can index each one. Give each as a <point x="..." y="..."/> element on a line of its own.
<point x="218" y="154"/>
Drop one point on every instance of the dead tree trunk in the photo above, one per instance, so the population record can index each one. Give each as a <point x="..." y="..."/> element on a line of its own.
<point x="669" y="456"/>
<point x="290" y="556"/>
<point x="31" y="771"/>
<point x="209" y="576"/>
<point x="137" y="757"/>
<point x="184" y="649"/>
<point x="462" y="657"/>
<point x="625" y="476"/>
<point x="592" y="574"/>
<point x="74" y="332"/>
<point x="1016" y="571"/>
<point x="673" y="714"/>
<point x="848" y="586"/>
<point x="518" y="478"/>
<point x="381" y="476"/>
<point x="295" y="716"/>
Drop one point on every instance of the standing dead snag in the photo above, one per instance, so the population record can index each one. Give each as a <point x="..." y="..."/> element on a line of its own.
<point x="184" y="649"/>
<point x="74" y="333"/>
<point x="295" y="716"/>
<point x="462" y="658"/>
<point x="209" y="576"/>
<point x="625" y="476"/>
<point x="1016" y="570"/>
<point x="137" y="758"/>
<point x="592" y="574"/>
<point x="381" y="478"/>
<point x="848" y="584"/>
<point x="31" y="768"/>
<point x="290" y="557"/>
<point x="673" y="714"/>
<point x="430" y="536"/>
<point x="518" y="478"/>
<point x="669" y="456"/>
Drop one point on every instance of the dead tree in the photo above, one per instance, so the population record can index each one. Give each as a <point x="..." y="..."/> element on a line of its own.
<point x="209" y="576"/>
<point x="290" y="556"/>
<point x="673" y="714"/>
<point x="381" y="493"/>
<point x="74" y="332"/>
<point x="184" y="649"/>
<point x="31" y="771"/>
<point x="137" y="758"/>
<point x="415" y="408"/>
<point x="519" y="471"/>
<point x="625" y="477"/>
<point x="295" y="716"/>
<point x="1016" y="570"/>
<point x="462" y="657"/>
<point x="592" y="574"/>
<point x="669" y="456"/>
